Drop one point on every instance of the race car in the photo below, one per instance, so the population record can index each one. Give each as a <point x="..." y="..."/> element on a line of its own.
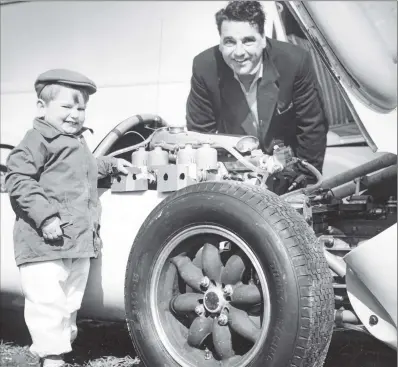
<point x="208" y="266"/>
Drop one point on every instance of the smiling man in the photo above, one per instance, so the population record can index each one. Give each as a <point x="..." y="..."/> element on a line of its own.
<point x="250" y="84"/>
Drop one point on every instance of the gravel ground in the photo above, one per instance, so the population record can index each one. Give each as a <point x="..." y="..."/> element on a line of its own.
<point x="102" y="344"/>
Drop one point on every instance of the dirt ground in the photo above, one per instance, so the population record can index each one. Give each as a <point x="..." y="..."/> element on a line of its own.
<point x="108" y="345"/>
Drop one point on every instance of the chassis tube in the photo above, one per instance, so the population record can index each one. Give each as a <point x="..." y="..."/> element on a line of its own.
<point x="385" y="160"/>
<point x="350" y="187"/>
<point x="335" y="263"/>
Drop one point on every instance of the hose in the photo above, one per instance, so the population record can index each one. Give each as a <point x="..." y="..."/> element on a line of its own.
<point x="314" y="171"/>
<point x="309" y="188"/>
<point x="133" y="147"/>
<point x="123" y="127"/>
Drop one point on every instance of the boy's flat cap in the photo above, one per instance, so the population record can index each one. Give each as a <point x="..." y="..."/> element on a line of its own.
<point x="64" y="76"/>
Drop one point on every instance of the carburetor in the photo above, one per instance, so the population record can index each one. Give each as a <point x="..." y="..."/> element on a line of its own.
<point x="174" y="158"/>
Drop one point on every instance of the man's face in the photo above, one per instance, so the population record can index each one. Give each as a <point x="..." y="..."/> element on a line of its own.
<point x="241" y="45"/>
<point x="67" y="111"/>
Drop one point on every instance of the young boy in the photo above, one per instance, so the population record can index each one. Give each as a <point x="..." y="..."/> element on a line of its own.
<point x="52" y="182"/>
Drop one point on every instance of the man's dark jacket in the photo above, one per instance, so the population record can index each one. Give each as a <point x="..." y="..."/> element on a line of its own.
<point x="288" y="101"/>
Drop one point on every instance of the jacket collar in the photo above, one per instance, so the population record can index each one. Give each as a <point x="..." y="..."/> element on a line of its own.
<point x="235" y="103"/>
<point x="50" y="131"/>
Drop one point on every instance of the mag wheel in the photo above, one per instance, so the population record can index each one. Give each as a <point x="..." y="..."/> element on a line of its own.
<point x="228" y="275"/>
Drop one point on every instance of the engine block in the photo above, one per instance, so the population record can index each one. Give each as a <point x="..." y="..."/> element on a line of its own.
<point x="174" y="158"/>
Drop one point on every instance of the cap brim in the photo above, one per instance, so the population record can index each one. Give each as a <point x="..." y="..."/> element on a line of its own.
<point x="88" y="87"/>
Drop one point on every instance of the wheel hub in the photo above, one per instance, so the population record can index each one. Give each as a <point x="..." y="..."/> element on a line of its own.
<point x="214" y="300"/>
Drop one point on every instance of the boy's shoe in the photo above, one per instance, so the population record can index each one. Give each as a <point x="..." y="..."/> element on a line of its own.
<point x="54" y="361"/>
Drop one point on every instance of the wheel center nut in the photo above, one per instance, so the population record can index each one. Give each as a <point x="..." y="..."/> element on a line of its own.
<point x="212" y="301"/>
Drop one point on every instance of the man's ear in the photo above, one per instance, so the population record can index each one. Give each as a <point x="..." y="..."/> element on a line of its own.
<point x="264" y="41"/>
<point x="41" y="108"/>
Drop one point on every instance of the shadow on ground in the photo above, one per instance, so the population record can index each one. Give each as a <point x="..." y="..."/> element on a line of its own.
<point x="99" y="340"/>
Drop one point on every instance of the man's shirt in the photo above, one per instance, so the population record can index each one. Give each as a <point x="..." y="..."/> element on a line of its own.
<point x="251" y="94"/>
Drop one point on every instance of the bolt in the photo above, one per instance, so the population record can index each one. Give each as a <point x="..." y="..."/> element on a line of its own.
<point x="200" y="310"/>
<point x="207" y="354"/>
<point x="338" y="298"/>
<point x="225" y="246"/>
<point x="328" y="241"/>
<point x="228" y="290"/>
<point x="205" y="282"/>
<point x="373" y="320"/>
<point x="223" y="319"/>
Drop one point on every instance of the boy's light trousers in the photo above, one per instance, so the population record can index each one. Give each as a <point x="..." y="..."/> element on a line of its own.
<point x="53" y="294"/>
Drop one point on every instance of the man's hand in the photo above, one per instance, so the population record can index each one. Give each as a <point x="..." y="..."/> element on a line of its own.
<point x="121" y="164"/>
<point x="51" y="229"/>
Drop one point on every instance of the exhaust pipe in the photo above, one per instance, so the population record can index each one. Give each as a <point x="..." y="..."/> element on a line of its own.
<point x="385" y="160"/>
<point x="350" y="187"/>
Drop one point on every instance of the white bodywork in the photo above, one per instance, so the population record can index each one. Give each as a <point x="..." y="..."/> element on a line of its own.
<point x="372" y="267"/>
<point x="374" y="292"/>
<point x="123" y="213"/>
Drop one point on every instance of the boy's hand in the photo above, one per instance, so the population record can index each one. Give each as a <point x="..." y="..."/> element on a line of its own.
<point x="51" y="229"/>
<point x="121" y="164"/>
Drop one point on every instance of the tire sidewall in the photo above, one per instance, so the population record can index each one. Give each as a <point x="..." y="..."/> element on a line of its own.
<point x="260" y="235"/>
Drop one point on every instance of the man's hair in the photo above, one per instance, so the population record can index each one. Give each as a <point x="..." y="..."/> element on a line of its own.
<point x="242" y="11"/>
<point x="51" y="91"/>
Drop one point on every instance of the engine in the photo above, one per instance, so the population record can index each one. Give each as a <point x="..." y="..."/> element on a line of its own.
<point x="173" y="158"/>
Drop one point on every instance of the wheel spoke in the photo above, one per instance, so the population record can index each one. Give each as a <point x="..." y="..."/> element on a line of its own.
<point x="256" y="320"/>
<point x="222" y="340"/>
<point x="200" y="328"/>
<point x="185" y="302"/>
<point x="231" y="361"/>
<point x="246" y="295"/>
<point x="242" y="324"/>
<point x="211" y="262"/>
<point x="197" y="260"/>
<point x="234" y="269"/>
<point x="191" y="274"/>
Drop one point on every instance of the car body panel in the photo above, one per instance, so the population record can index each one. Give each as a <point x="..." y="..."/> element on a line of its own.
<point x="374" y="293"/>
<point x="367" y="77"/>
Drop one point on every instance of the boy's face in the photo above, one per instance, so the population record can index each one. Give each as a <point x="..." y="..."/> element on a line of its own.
<point x="66" y="111"/>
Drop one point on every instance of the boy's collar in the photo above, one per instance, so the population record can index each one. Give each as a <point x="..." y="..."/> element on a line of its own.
<point x="50" y="131"/>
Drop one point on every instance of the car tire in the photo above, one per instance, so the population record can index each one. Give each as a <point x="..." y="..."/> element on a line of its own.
<point x="267" y="235"/>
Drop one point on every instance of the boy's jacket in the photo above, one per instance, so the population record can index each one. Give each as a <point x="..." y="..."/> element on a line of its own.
<point x="54" y="173"/>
